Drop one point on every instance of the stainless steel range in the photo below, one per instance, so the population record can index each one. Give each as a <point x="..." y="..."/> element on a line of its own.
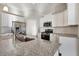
<point x="46" y="35"/>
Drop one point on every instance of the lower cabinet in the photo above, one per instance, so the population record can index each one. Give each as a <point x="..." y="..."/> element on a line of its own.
<point x="68" y="46"/>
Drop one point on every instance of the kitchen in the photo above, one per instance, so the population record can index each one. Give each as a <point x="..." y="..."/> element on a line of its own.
<point x="59" y="23"/>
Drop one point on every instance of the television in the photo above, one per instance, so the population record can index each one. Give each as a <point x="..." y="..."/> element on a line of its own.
<point x="47" y="24"/>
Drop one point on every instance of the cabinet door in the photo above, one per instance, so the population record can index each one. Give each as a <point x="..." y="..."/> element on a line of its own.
<point x="65" y="17"/>
<point x="71" y="14"/>
<point x="54" y="20"/>
<point x="58" y="19"/>
<point x="68" y="46"/>
<point x="77" y="13"/>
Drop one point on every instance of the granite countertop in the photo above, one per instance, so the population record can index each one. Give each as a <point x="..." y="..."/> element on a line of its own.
<point x="66" y="35"/>
<point x="38" y="47"/>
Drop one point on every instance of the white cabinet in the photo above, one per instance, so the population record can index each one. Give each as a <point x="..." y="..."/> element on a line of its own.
<point x="58" y="19"/>
<point x="65" y="20"/>
<point x="54" y="21"/>
<point x="72" y="13"/>
<point x="70" y="16"/>
<point x="68" y="46"/>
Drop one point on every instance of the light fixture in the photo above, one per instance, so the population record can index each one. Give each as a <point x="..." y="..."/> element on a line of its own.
<point x="5" y="8"/>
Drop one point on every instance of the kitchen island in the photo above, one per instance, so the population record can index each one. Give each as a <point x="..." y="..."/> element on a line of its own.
<point x="39" y="47"/>
<point x="36" y="47"/>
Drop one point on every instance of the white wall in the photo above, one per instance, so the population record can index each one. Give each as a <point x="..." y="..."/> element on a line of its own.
<point x="46" y="18"/>
<point x="31" y="27"/>
<point x="6" y="21"/>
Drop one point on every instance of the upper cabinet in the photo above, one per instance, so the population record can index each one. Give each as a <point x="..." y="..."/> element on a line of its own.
<point x="65" y="18"/>
<point x="58" y="19"/>
<point x="70" y="16"/>
<point x="72" y="13"/>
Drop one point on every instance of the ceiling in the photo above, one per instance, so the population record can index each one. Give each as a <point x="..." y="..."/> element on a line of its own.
<point x="36" y="10"/>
